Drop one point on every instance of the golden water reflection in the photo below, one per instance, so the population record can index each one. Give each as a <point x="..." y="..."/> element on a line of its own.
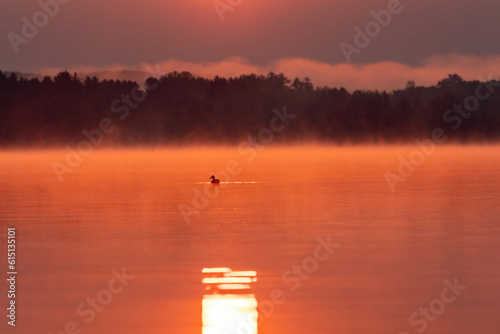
<point x="229" y="306"/>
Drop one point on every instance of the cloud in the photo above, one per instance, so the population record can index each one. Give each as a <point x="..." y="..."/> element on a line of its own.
<point x="376" y="76"/>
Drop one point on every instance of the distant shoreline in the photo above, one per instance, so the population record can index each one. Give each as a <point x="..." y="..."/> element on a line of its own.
<point x="179" y="109"/>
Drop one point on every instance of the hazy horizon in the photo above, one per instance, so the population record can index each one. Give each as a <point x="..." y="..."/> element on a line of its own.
<point x="399" y="40"/>
<point x="383" y="76"/>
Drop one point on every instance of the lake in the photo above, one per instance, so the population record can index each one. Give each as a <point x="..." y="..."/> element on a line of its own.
<point x="310" y="239"/>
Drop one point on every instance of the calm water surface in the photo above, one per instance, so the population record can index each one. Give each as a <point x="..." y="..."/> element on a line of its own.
<point x="119" y="210"/>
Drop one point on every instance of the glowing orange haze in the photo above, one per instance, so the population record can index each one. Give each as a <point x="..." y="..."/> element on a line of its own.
<point x="377" y="76"/>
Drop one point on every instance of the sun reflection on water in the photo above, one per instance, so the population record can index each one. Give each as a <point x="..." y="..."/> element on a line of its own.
<point x="229" y="306"/>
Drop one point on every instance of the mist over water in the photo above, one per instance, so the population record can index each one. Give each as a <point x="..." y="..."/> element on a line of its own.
<point x="123" y="208"/>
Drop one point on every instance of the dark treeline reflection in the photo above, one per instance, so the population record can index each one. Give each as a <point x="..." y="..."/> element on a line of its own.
<point x="180" y="108"/>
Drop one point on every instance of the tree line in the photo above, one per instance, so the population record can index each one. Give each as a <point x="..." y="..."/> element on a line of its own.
<point x="180" y="108"/>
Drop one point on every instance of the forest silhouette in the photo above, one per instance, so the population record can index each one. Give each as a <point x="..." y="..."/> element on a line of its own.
<point x="180" y="108"/>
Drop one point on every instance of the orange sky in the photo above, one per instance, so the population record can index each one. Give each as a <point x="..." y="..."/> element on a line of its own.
<point x="424" y="40"/>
